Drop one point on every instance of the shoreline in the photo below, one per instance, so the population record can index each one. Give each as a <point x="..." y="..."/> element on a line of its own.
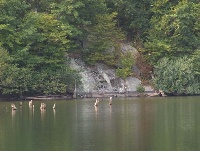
<point x="93" y="95"/>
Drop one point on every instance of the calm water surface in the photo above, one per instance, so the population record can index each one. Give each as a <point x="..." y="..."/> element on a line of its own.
<point x="133" y="124"/>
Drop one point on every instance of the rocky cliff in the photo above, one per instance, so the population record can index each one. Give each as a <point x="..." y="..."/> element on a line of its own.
<point x="102" y="79"/>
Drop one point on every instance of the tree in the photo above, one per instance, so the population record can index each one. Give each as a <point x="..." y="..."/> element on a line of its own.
<point x="37" y="43"/>
<point x="4" y="59"/>
<point x="175" y="32"/>
<point x="40" y="5"/>
<point x="43" y="42"/>
<point x="11" y="16"/>
<point x="14" y="80"/>
<point x="69" y="12"/>
<point x="196" y="63"/>
<point x="33" y="39"/>
<point x="60" y="81"/>
<point x="80" y="15"/>
<point x="176" y="76"/>
<point x="133" y="16"/>
<point x="104" y="40"/>
<point x="125" y="66"/>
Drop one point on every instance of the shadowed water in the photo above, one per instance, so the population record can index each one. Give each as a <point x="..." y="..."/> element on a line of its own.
<point x="140" y="124"/>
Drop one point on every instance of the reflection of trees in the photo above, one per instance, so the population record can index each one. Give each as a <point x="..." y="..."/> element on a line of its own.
<point x="159" y="125"/>
<point x="145" y="125"/>
<point x="185" y="124"/>
<point x="176" y="126"/>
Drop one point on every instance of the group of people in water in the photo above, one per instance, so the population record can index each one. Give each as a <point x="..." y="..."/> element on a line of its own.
<point x="30" y="103"/>
<point x="97" y="101"/>
<point x="43" y="105"/>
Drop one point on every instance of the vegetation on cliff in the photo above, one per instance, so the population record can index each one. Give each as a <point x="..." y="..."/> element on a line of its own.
<point x="37" y="36"/>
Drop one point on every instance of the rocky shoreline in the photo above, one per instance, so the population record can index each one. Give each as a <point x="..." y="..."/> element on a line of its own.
<point x="85" y="95"/>
<point x="93" y="95"/>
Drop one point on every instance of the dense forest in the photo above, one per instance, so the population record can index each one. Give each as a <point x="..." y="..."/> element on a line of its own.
<point x="37" y="38"/>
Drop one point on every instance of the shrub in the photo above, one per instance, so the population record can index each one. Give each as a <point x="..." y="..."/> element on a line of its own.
<point x="140" y="89"/>
<point x="176" y="76"/>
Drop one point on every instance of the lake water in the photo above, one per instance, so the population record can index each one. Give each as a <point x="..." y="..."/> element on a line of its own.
<point x="130" y="124"/>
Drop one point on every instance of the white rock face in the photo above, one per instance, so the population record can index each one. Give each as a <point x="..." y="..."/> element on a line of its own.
<point x="101" y="78"/>
<point x="128" y="48"/>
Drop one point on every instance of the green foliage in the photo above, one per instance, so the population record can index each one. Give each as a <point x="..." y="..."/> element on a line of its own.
<point x="132" y="16"/>
<point x="140" y="89"/>
<point x="15" y="83"/>
<point x="93" y="29"/>
<point x="13" y="80"/>
<point x="4" y="59"/>
<point x="37" y="35"/>
<point x="11" y="16"/>
<point x="25" y="81"/>
<point x="38" y="44"/>
<point x="81" y="16"/>
<point x="33" y="39"/>
<point x="125" y="67"/>
<point x="39" y="5"/>
<point x="103" y="36"/>
<point x="196" y="63"/>
<point x="174" y="32"/>
<point x="145" y="68"/>
<point x="176" y="76"/>
<point x="43" y="41"/>
<point x="69" y="12"/>
<point x="55" y="82"/>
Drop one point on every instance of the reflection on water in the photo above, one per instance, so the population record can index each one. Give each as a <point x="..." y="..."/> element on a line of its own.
<point x="13" y="112"/>
<point x="178" y="126"/>
<point x="54" y="113"/>
<point x="110" y="109"/>
<point x="43" y="112"/>
<point x="96" y="110"/>
<point x="31" y="111"/>
<point x="144" y="124"/>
